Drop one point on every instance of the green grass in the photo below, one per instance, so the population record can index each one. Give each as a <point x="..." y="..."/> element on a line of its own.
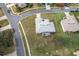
<point x="59" y="43"/>
<point x="4" y="23"/>
<point x="6" y="42"/>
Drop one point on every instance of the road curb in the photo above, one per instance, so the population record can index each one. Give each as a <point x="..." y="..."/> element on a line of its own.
<point x="25" y="38"/>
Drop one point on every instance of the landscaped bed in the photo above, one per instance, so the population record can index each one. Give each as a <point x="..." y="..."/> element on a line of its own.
<point x="1" y="12"/>
<point x="58" y="43"/>
<point x="17" y="9"/>
<point x="4" y="23"/>
<point x="6" y="42"/>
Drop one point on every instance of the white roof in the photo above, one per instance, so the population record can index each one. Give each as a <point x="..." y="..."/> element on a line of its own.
<point x="44" y="25"/>
<point x="22" y="5"/>
<point x="70" y="24"/>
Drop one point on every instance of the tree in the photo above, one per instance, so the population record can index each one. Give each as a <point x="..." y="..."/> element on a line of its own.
<point x="6" y="42"/>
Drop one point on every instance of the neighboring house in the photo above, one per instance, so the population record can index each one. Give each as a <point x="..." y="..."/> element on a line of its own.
<point x="69" y="23"/>
<point x="10" y="5"/>
<point x="21" y="5"/>
<point x="43" y="26"/>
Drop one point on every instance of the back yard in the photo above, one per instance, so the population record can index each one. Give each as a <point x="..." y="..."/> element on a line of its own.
<point x="59" y="43"/>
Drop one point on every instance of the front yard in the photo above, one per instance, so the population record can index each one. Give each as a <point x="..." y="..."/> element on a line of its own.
<point x="59" y="43"/>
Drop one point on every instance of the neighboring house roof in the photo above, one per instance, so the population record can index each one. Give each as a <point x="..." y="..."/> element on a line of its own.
<point x="69" y="23"/>
<point x="22" y="5"/>
<point x="43" y="25"/>
<point x="10" y="4"/>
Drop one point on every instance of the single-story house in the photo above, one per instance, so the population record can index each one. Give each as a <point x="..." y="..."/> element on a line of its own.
<point x="70" y="24"/>
<point x="44" y="26"/>
<point x="21" y="5"/>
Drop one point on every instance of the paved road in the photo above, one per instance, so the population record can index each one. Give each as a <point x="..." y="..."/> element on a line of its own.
<point x="52" y="10"/>
<point x="15" y="19"/>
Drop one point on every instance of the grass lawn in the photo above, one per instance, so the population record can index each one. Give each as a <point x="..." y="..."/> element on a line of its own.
<point x="3" y="23"/>
<point x="6" y="42"/>
<point x="59" y="43"/>
<point x="1" y="12"/>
